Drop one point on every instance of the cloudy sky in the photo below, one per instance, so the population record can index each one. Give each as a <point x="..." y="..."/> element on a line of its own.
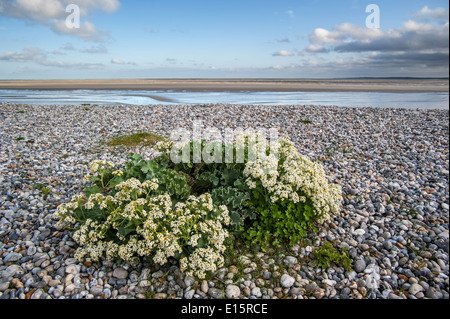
<point x="40" y="39"/>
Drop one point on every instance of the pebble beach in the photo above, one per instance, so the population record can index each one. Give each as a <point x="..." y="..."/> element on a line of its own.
<point x="392" y="164"/>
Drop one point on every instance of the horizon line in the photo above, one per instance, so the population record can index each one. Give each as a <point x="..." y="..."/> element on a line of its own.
<point x="239" y="78"/>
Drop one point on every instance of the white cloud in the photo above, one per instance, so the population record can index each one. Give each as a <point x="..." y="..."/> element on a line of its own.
<point x="40" y="57"/>
<point x="42" y="10"/>
<point x="35" y="10"/>
<point x="414" y="26"/>
<point x="283" y="40"/>
<point x="427" y="14"/>
<point x="28" y="54"/>
<point x="86" y="6"/>
<point x="349" y="37"/>
<point x="73" y="65"/>
<point x="68" y="47"/>
<point x="313" y="49"/>
<point x="290" y="14"/>
<point x="283" y="53"/>
<point x="52" y="13"/>
<point x="87" y="31"/>
<point x="321" y="35"/>
<point x="413" y="36"/>
<point x="117" y="61"/>
<point x="413" y="48"/>
<point x="344" y="31"/>
<point x="95" y="49"/>
<point x="379" y="65"/>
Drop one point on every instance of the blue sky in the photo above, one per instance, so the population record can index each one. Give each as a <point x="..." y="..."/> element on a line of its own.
<point x="172" y="38"/>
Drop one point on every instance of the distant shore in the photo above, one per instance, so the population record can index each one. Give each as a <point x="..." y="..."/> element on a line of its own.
<point x="234" y="85"/>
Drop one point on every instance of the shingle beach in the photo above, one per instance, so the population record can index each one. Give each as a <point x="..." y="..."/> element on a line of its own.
<point x="392" y="164"/>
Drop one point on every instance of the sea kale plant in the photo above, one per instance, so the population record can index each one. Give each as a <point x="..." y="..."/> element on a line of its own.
<point x="290" y="193"/>
<point x="224" y="180"/>
<point x="122" y="219"/>
<point x="275" y="195"/>
<point x="185" y="209"/>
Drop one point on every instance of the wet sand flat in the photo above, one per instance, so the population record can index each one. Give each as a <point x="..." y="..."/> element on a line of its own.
<point x="233" y="85"/>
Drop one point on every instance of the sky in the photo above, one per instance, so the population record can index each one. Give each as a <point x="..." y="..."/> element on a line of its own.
<point x="76" y="39"/>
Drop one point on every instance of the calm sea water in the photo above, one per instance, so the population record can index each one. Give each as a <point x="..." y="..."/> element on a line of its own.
<point x="109" y="97"/>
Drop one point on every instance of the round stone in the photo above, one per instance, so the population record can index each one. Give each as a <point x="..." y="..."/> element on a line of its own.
<point x="360" y="265"/>
<point x="287" y="281"/>
<point x="232" y="291"/>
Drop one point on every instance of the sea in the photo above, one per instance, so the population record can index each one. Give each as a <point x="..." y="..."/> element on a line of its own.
<point x="431" y="100"/>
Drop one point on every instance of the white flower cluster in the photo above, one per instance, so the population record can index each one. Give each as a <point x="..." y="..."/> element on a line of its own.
<point x="294" y="177"/>
<point x="118" y="172"/>
<point x="132" y="187"/>
<point x="135" y="222"/>
<point x="198" y="220"/>
<point x="164" y="146"/>
<point x="63" y="211"/>
<point x="201" y="261"/>
<point x="98" y="166"/>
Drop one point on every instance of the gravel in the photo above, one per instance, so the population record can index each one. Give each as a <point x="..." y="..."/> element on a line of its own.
<point x="393" y="165"/>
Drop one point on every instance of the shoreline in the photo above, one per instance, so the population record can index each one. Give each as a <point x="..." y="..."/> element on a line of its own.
<point x="236" y="85"/>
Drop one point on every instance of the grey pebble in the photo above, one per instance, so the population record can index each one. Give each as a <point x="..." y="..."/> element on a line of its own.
<point x="120" y="273"/>
<point x="12" y="257"/>
<point x="216" y="293"/>
<point x="189" y="294"/>
<point x="287" y="281"/>
<point x="360" y="265"/>
<point x="232" y="291"/>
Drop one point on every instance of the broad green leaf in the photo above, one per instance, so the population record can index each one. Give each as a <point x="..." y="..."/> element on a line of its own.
<point x="126" y="229"/>
<point x="115" y="181"/>
<point x="88" y="191"/>
<point x="95" y="214"/>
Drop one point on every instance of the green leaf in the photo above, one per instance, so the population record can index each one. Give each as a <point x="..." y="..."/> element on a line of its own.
<point x="240" y="184"/>
<point x="135" y="158"/>
<point x="124" y="230"/>
<point x="236" y="220"/>
<point x="115" y="181"/>
<point x="177" y="255"/>
<point x="88" y="191"/>
<point x="173" y="183"/>
<point x="201" y="243"/>
<point x="95" y="214"/>
<point x="230" y="175"/>
<point x="151" y="168"/>
<point x="208" y="177"/>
